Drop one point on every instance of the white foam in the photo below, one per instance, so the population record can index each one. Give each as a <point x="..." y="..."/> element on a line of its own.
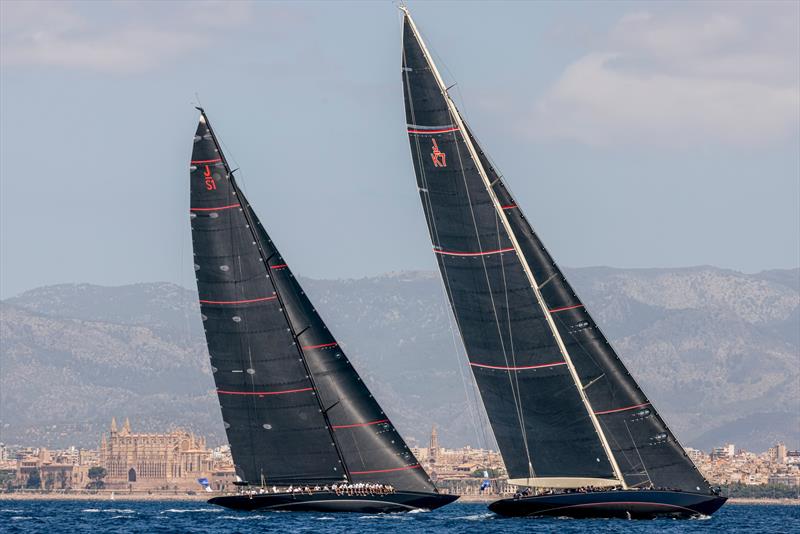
<point x="243" y="518"/>
<point x="401" y="516"/>
<point x="109" y="510"/>
<point x="477" y="517"/>
<point x="192" y="510"/>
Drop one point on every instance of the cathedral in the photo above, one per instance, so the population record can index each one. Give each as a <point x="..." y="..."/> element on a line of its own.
<point x="153" y="461"/>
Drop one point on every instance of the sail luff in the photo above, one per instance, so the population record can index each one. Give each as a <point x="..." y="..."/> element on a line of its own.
<point x="512" y="237"/>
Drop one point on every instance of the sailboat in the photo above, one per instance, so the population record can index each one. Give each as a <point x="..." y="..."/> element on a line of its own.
<point x="573" y="426"/>
<point x="305" y="432"/>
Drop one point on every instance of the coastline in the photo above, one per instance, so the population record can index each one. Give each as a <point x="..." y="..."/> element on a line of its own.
<point x="202" y="497"/>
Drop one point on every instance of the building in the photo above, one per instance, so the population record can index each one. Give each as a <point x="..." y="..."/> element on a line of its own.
<point x="53" y="472"/>
<point x="433" y="449"/>
<point x="174" y="460"/>
<point x="777" y="453"/>
<point x="726" y="451"/>
<point x="694" y="454"/>
<point x="460" y="470"/>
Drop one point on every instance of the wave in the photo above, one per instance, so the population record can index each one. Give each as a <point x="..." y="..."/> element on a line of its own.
<point x="243" y="518"/>
<point x="192" y="510"/>
<point x="477" y="517"/>
<point x="109" y="510"/>
<point x="400" y="516"/>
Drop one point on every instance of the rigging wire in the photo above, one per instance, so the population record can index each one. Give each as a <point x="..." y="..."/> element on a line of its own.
<point x="515" y="397"/>
<point x="478" y="427"/>
<point x="509" y="373"/>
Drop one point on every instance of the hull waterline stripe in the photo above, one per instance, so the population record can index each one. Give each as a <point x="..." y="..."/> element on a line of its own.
<point x="565" y="308"/>
<point x="322" y="346"/>
<point x="626" y="408"/>
<point x="361" y="424"/>
<point x="446" y="130"/>
<point x="509" y="207"/>
<point x="522" y="368"/>
<point x="282" y="266"/>
<point x="260" y="393"/>
<point x="206" y="160"/>
<point x="237" y="301"/>
<point x="488" y="252"/>
<point x="415" y="466"/>
<point x="217" y="208"/>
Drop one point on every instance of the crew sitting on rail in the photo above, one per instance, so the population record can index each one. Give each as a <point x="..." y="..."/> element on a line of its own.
<point x="357" y="489"/>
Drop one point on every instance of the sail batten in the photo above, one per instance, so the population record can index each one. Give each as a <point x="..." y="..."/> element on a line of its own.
<point x="292" y="404"/>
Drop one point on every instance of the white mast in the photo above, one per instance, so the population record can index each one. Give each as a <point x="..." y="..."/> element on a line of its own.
<point x="534" y="285"/>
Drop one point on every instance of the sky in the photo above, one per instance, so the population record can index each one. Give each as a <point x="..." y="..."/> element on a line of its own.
<point x="646" y="134"/>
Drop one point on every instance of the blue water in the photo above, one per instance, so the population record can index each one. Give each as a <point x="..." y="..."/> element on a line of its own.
<point x="184" y="517"/>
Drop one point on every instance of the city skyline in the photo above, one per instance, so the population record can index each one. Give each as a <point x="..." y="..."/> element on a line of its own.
<point x="175" y="459"/>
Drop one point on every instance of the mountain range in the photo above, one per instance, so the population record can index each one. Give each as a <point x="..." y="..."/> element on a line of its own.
<point x="716" y="350"/>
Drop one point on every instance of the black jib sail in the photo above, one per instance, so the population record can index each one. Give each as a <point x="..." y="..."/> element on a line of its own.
<point x="294" y="409"/>
<point x="563" y="407"/>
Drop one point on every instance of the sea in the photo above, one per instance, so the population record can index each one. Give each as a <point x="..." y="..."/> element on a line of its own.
<point x="193" y="516"/>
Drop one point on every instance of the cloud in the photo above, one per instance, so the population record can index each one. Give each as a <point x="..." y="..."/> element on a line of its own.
<point x="726" y="73"/>
<point x="120" y="37"/>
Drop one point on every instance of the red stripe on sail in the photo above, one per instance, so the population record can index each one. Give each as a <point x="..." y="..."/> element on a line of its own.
<point x="259" y="393"/>
<point x="555" y="310"/>
<point x="206" y="160"/>
<point x="281" y="266"/>
<point x="486" y="253"/>
<point x="361" y="424"/>
<point x="319" y="346"/>
<point x="510" y="206"/>
<point x="217" y="208"/>
<point x="445" y="130"/>
<point x="236" y="301"/>
<point x="415" y="466"/>
<point x="523" y="368"/>
<point x="623" y="409"/>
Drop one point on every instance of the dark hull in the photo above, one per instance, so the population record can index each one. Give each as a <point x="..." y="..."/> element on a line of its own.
<point x="330" y="502"/>
<point x="629" y="504"/>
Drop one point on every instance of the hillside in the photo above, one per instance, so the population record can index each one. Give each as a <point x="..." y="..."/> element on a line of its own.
<point x="718" y="351"/>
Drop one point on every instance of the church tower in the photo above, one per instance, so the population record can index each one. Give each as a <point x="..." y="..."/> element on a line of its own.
<point x="433" y="450"/>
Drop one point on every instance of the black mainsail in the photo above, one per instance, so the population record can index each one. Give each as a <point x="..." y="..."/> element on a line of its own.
<point x="294" y="408"/>
<point x="564" y="409"/>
